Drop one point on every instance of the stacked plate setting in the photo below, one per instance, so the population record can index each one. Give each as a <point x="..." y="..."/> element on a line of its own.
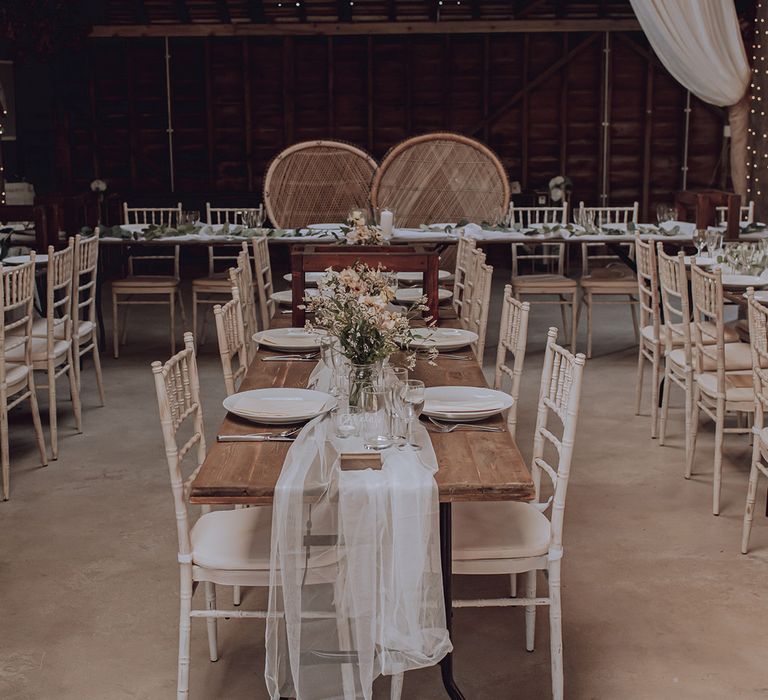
<point x="442" y="338"/>
<point x="279" y="406"/>
<point x="288" y="339"/>
<point x="464" y="404"/>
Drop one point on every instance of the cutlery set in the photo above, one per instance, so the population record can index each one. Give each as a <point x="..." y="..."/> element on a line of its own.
<point x="443" y="427"/>
<point x="283" y="436"/>
<point x="306" y="357"/>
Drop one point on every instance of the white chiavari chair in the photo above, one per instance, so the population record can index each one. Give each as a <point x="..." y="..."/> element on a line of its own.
<point x="651" y="342"/>
<point x="225" y="547"/>
<point x="529" y="216"/>
<point x="535" y="284"/>
<point x="53" y="353"/>
<point x="719" y="388"/>
<point x="507" y="537"/>
<point x="17" y="383"/>
<point x="746" y="214"/>
<point x="464" y="247"/>
<point x="214" y="288"/>
<point x="605" y="216"/>
<point x="475" y="262"/>
<point x="241" y="277"/>
<point x="676" y="331"/>
<point x="513" y="336"/>
<point x="264" y="288"/>
<point x="758" y="340"/>
<point x="160" y="216"/>
<point x="84" y="326"/>
<point x="134" y="289"/>
<point x="232" y="342"/>
<point x="229" y="215"/>
<point x="477" y="321"/>
<point x="603" y="275"/>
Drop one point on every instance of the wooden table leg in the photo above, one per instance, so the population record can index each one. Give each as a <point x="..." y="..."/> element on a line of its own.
<point x="446" y="665"/>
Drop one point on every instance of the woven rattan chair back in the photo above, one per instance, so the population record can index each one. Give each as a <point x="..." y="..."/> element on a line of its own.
<point x="160" y="216"/>
<point x="441" y="178"/>
<point x="525" y="216"/>
<point x="232" y="344"/>
<point x="264" y="289"/>
<point x="513" y="337"/>
<point x="317" y="182"/>
<point x="746" y="214"/>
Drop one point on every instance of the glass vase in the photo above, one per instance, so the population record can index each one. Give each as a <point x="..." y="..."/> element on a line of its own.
<point x="362" y="375"/>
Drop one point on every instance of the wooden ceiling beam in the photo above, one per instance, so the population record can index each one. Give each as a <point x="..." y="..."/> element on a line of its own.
<point x="344" y="10"/>
<point x="223" y="8"/>
<point x="536" y="26"/>
<point x="528" y="8"/>
<point x="182" y="11"/>
<point x="256" y="11"/>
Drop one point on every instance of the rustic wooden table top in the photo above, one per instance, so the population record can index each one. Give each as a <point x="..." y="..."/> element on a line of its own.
<point x="474" y="466"/>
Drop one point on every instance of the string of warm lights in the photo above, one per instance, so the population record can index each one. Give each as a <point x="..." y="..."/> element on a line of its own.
<point x="2" y="166"/>
<point x="757" y="148"/>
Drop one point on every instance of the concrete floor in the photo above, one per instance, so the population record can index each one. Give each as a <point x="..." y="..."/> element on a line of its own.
<point x="657" y="600"/>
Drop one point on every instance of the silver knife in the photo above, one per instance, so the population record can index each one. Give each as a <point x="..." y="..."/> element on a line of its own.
<point x="254" y="438"/>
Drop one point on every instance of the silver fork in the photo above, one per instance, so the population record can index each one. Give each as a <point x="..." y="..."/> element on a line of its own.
<point x="450" y="427"/>
<point x="283" y="434"/>
<point x="299" y="358"/>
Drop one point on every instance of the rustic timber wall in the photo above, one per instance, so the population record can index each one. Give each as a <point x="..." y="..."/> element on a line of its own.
<point x="537" y="99"/>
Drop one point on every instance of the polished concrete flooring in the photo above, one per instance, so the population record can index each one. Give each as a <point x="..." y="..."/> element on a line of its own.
<point x="657" y="600"/>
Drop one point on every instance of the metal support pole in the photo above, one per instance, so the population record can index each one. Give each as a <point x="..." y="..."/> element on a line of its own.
<point x="685" y="139"/>
<point x="606" y="122"/>
<point x="170" y="120"/>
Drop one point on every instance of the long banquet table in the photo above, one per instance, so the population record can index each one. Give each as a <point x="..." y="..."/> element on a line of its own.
<point x="471" y="469"/>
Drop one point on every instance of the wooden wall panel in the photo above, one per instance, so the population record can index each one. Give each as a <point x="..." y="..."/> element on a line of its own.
<point x="237" y="101"/>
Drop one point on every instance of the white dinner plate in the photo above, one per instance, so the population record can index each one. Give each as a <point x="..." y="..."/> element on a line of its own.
<point x="286" y="296"/>
<point x="413" y="294"/>
<point x="288" y="339"/>
<point x="417" y="277"/>
<point x="464" y="404"/>
<point x="442" y="338"/>
<point x="761" y="296"/>
<point x="40" y="259"/>
<point x="279" y="406"/>
<point x="744" y="281"/>
<point x="309" y="277"/>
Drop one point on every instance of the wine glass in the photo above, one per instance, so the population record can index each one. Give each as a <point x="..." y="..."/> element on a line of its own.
<point x="413" y="403"/>
<point x="329" y="356"/>
<point x="699" y="240"/>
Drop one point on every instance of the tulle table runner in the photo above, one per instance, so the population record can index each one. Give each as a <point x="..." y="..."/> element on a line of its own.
<point x="355" y="579"/>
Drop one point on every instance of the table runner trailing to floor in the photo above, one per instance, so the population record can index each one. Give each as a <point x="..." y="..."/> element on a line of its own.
<point x="355" y="579"/>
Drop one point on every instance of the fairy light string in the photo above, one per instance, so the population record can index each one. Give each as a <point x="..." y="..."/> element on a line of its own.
<point x="757" y="148"/>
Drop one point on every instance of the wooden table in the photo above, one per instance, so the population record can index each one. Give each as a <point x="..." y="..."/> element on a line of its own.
<point x="472" y="466"/>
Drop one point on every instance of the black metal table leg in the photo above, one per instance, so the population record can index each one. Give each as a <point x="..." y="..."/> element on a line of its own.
<point x="446" y="665"/>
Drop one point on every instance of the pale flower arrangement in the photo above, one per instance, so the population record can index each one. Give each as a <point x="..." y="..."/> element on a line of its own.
<point x="354" y="305"/>
<point x="362" y="234"/>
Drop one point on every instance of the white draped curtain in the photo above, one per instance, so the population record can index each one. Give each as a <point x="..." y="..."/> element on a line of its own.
<point x="699" y="43"/>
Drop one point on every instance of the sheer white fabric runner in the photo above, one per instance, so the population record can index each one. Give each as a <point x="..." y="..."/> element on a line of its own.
<point x="355" y="579"/>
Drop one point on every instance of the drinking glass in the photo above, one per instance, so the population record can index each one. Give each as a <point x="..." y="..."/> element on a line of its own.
<point x="331" y="358"/>
<point x="413" y="404"/>
<point x="665" y="213"/>
<point x="374" y="418"/>
<point x="346" y="421"/>
<point x="394" y="379"/>
<point x="714" y="242"/>
<point x="699" y="240"/>
<point x="189" y="218"/>
<point x="253" y="218"/>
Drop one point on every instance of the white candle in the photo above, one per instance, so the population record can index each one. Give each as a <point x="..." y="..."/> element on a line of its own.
<point x="387" y="223"/>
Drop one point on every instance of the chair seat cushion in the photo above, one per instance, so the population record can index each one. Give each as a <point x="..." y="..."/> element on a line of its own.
<point x="159" y="281"/>
<point x="39" y="350"/>
<point x="15" y="374"/>
<point x="235" y="540"/>
<point x="498" y="530"/>
<point x="738" y="386"/>
<point x="729" y="333"/>
<point x="737" y="356"/>
<point x="40" y="329"/>
<point x="543" y="282"/>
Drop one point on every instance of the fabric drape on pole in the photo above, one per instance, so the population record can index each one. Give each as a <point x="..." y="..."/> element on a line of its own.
<point x="700" y="44"/>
